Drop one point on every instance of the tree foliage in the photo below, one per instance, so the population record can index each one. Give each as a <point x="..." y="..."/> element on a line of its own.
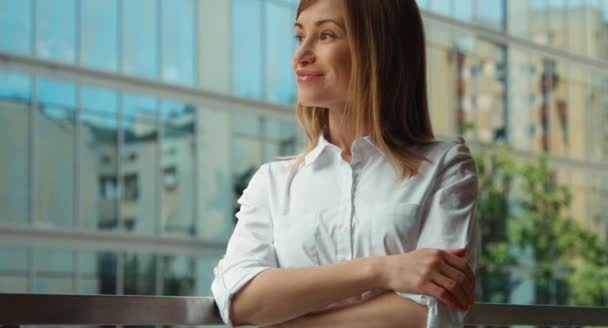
<point x="524" y="225"/>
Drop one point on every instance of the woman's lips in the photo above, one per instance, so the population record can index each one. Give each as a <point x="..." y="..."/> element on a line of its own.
<point x="303" y="76"/>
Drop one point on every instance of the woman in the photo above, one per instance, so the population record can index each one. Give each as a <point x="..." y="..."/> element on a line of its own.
<point x="373" y="224"/>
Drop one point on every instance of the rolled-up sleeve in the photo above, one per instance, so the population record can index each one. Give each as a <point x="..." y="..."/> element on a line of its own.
<point x="449" y="222"/>
<point x="250" y="249"/>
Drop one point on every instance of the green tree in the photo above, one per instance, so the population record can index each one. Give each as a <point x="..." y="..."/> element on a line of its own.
<point x="496" y="171"/>
<point x="522" y="210"/>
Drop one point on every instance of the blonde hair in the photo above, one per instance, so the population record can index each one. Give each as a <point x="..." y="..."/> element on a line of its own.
<point x="387" y="89"/>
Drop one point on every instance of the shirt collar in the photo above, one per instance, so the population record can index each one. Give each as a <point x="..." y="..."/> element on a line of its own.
<point x="366" y="142"/>
<point x="313" y="154"/>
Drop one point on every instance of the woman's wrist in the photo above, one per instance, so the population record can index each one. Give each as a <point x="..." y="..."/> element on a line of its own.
<point x="375" y="267"/>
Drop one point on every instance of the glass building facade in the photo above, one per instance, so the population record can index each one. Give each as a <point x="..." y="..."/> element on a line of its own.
<point x="128" y="128"/>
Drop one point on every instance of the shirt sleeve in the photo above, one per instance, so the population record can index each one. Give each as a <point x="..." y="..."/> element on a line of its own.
<point x="250" y="249"/>
<point x="449" y="222"/>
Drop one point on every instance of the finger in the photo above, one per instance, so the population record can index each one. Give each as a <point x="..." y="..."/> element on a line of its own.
<point x="457" y="251"/>
<point x="454" y="288"/>
<point x="461" y="265"/>
<point x="441" y="294"/>
<point x="460" y="278"/>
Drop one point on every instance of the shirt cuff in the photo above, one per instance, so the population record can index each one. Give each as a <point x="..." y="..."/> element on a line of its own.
<point x="223" y="291"/>
<point x="439" y="315"/>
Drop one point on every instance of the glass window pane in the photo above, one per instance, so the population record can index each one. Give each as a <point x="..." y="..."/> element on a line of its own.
<point x="280" y="45"/>
<point x="464" y="10"/>
<point x="178" y="275"/>
<point x="246" y="124"/>
<point x="98" y="146"/>
<point x="216" y="200"/>
<point x="178" y="41"/>
<point x="52" y="260"/>
<point x="107" y="266"/>
<point x="98" y="36"/>
<point x="140" y="38"/>
<point x="205" y="275"/>
<point x="423" y="4"/>
<point x="577" y="27"/>
<point x="441" y="80"/>
<point x="139" y="274"/>
<point x="14" y="147"/>
<point x="13" y="284"/>
<point x="491" y="13"/>
<point x="177" y="169"/>
<point x="139" y="168"/>
<point x="283" y="134"/>
<point x="88" y="286"/>
<point x="14" y="86"/>
<point x="247" y="70"/>
<point x="13" y="258"/>
<point x="53" y="284"/>
<point x="538" y="21"/>
<point x="97" y="272"/>
<point x="16" y="26"/>
<point x="54" y="153"/>
<point x="523" y="99"/>
<point x="483" y="95"/>
<point x="442" y="7"/>
<point x="518" y="18"/>
<point x="55" y="30"/>
<point x="247" y="155"/>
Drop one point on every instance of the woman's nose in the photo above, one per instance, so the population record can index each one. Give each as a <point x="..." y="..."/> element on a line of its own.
<point x="304" y="55"/>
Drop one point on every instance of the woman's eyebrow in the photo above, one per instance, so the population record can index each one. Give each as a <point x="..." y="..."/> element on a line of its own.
<point x="323" y="21"/>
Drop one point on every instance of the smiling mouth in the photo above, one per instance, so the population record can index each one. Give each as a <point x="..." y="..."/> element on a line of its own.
<point x="305" y="78"/>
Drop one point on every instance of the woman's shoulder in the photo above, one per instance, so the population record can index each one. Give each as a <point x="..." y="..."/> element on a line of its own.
<point x="443" y="149"/>
<point x="279" y="168"/>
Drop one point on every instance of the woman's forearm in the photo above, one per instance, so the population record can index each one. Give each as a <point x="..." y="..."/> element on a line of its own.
<point x="279" y="295"/>
<point x="385" y="311"/>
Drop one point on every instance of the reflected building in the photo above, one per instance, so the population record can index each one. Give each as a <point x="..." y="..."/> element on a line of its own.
<point x="106" y="159"/>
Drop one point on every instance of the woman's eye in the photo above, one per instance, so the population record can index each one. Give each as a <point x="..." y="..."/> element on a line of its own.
<point x="299" y="38"/>
<point x="325" y="36"/>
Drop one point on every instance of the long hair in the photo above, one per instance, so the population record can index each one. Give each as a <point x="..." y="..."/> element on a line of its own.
<point x="387" y="89"/>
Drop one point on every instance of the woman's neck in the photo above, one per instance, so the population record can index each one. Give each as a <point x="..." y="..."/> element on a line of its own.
<point x="341" y="132"/>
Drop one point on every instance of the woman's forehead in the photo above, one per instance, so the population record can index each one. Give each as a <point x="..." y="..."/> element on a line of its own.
<point x="321" y="9"/>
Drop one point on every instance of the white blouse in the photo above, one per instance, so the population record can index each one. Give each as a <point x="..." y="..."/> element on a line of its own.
<point x="331" y="210"/>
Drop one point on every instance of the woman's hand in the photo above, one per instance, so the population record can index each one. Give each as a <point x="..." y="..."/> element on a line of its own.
<point x="443" y="274"/>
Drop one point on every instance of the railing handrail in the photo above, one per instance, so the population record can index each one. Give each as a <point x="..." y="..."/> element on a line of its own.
<point x="67" y="309"/>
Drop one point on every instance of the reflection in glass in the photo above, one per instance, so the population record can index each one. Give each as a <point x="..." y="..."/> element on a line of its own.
<point x="56" y="30"/>
<point x="14" y="86"/>
<point x="139" y="169"/>
<point x="423" y="4"/>
<point x="99" y="41"/>
<point x="14" y="146"/>
<point x="13" y="269"/>
<point x="280" y="44"/>
<point x="177" y="169"/>
<point x="178" y="41"/>
<point x="442" y="7"/>
<point x="179" y="275"/>
<point x="139" y="41"/>
<point x="98" y="187"/>
<point x="16" y="26"/>
<point x="106" y="273"/>
<point x="54" y="139"/>
<point x="491" y="13"/>
<point x="54" y="269"/>
<point x="139" y="274"/>
<point x="464" y="10"/>
<point x="247" y="53"/>
<point x="214" y="151"/>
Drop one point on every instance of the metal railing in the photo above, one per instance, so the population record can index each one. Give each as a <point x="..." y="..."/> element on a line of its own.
<point x="39" y="309"/>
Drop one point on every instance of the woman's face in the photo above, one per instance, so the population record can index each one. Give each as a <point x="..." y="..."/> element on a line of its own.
<point x="322" y="60"/>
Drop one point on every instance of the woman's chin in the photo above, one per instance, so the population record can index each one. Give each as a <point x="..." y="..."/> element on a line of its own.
<point x="310" y="102"/>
